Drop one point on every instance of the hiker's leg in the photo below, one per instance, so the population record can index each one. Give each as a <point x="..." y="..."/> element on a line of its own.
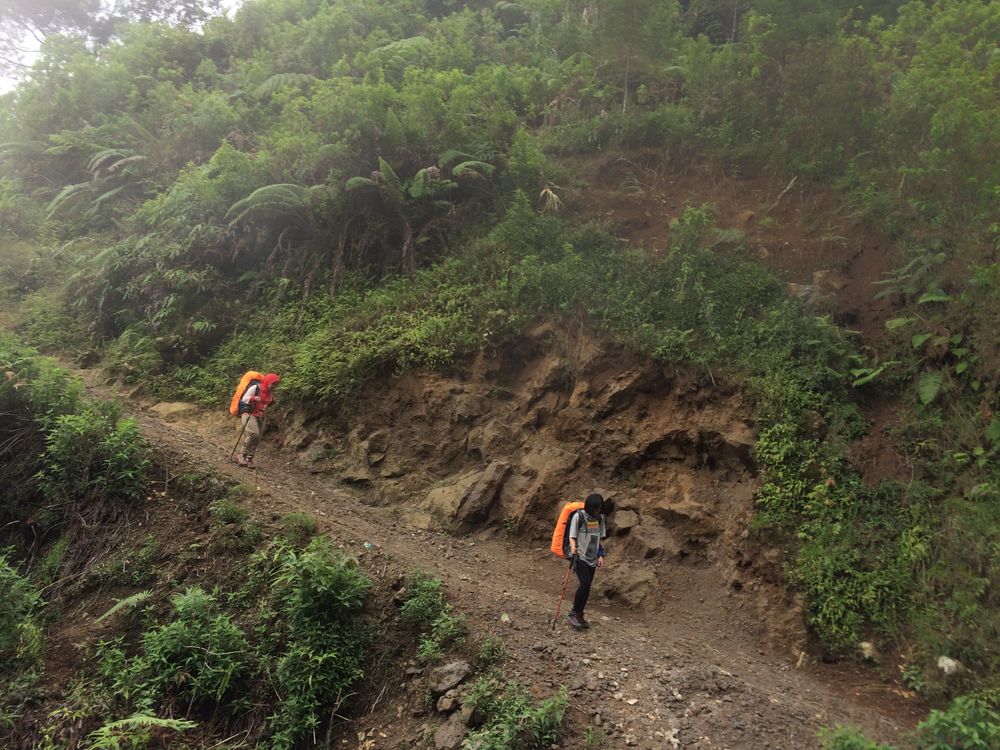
<point x="251" y="436"/>
<point x="586" y="575"/>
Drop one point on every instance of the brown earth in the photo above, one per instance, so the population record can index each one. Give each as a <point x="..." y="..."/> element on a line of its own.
<point x="824" y="250"/>
<point x="694" y="642"/>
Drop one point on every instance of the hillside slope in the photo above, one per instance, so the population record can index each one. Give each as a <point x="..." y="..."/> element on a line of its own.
<point x="690" y="667"/>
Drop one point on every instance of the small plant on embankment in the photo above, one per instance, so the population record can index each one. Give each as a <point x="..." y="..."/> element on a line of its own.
<point x="506" y="718"/>
<point x="426" y="606"/>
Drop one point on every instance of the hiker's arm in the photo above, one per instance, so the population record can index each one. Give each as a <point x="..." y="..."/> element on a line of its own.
<point x="600" y="555"/>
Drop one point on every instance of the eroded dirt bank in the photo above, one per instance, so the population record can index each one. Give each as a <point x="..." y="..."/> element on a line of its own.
<point x="694" y="644"/>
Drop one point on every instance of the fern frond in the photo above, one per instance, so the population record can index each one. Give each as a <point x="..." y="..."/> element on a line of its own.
<point x="280" y="198"/>
<point x="108" y="195"/>
<point x="109" y="736"/>
<point x="126" y="161"/>
<point x="451" y="155"/>
<point x="280" y="80"/>
<point x="404" y="50"/>
<point x="68" y="197"/>
<point x="473" y="168"/>
<point x="356" y="183"/>
<point x="127" y="603"/>
<point x="928" y="387"/>
<point x="105" y="155"/>
<point x="392" y="181"/>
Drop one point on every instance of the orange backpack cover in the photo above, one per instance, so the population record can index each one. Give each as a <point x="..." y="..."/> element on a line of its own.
<point x="248" y="376"/>
<point x="560" y="531"/>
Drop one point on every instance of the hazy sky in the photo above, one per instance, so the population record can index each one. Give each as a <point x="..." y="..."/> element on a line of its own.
<point x="30" y="43"/>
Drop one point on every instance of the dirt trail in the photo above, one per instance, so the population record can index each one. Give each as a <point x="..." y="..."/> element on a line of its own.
<point x="693" y="673"/>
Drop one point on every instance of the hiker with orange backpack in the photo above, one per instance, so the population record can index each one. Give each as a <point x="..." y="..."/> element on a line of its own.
<point x="253" y="395"/>
<point x="579" y="535"/>
<point x="587" y="532"/>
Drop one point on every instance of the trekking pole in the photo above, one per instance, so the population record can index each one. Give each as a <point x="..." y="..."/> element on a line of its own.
<point x="233" y="454"/>
<point x="561" y="595"/>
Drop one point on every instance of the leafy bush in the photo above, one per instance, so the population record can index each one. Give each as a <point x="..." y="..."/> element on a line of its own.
<point x="297" y="528"/>
<point x="491" y="651"/>
<point x="94" y="457"/>
<point x="967" y="723"/>
<point x="508" y="719"/>
<point x="20" y="634"/>
<point x="316" y="595"/>
<point x="425" y="605"/>
<point x="199" y="655"/>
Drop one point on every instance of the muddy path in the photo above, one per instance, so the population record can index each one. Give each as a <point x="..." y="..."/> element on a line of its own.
<point x="693" y="672"/>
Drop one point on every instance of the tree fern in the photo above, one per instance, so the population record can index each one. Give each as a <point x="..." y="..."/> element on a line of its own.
<point x="279" y="199"/>
<point x="404" y="51"/>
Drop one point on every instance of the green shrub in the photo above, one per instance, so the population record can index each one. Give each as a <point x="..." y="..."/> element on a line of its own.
<point x="226" y="511"/>
<point x="491" y="651"/>
<point x="968" y="724"/>
<point x="94" y="457"/>
<point x="318" y="641"/>
<point x="20" y="634"/>
<point x="298" y="528"/>
<point x="845" y="738"/>
<point x="200" y="654"/>
<point x="425" y="605"/>
<point x="425" y="600"/>
<point x="508" y="719"/>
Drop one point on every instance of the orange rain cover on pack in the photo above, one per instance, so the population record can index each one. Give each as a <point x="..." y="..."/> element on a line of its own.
<point x="560" y="530"/>
<point x="249" y="375"/>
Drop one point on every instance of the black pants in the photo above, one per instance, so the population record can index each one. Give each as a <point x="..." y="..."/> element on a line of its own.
<point x="586" y="575"/>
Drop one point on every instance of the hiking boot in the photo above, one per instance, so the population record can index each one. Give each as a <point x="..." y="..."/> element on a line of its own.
<point x="583" y="623"/>
<point x="242" y="461"/>
<point x="575" y="621"/>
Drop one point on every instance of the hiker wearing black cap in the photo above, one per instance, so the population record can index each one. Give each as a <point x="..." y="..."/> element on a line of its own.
<point x="587" y="532"/>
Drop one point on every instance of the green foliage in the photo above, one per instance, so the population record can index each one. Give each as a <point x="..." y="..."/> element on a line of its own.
<point x="491" y="651"/>
<point x="225" y="511"/>
<point x="967" y="723"/>
<point x="252" y="187"/>
<point x="46" y="570"/>
<point x="128" y="567"/>
<point x="297" y="528"/>
<point x="508" y="719"/>
<point x="845" y="738"/>
<point x="426" y="606"/>
<point x="199" y="655"/>
<point x="318" y="643"/>
<point x="94" y="457"/>
<point x="129" y="602"/>
<point x="20" y="633"/>
<point x="133" y="732"/>
<point x="425" y="600"/>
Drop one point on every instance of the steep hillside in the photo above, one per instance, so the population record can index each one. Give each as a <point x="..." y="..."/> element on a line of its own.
<point x="684" y="651"/>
